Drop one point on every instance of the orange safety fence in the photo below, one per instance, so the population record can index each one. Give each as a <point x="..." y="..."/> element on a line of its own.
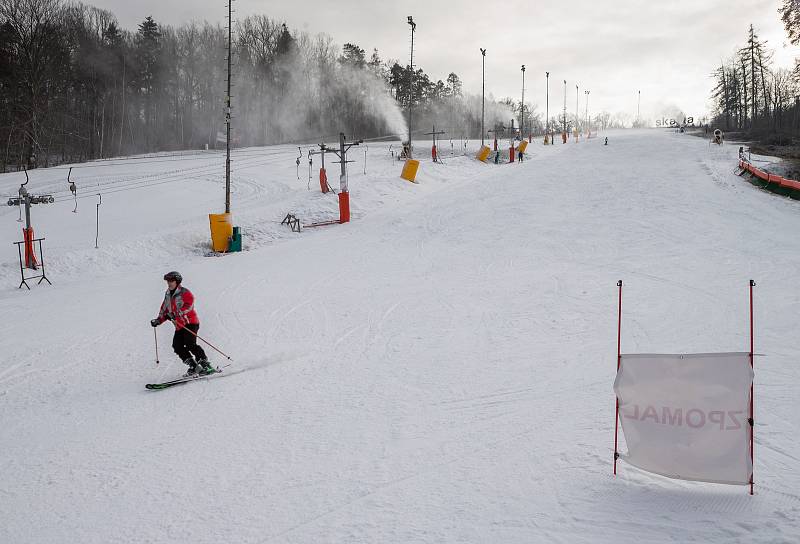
<point x="769" y="178"/>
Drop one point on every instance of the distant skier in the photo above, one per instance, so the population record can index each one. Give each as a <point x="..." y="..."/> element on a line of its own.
<point x="178" y="307"/>
<point x="520" y="154"/>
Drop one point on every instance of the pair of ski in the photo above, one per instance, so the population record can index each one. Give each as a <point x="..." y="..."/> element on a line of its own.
<point x="185" y="379"/>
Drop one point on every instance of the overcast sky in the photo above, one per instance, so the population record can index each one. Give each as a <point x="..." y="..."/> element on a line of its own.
<point x="613" y="48"/>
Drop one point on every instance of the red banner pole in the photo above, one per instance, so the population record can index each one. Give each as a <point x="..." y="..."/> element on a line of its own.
<point x="752" y="422"/>
<point x="619" y="359"/>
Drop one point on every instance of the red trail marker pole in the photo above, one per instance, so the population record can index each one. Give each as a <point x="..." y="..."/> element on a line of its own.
<point x="752" y="422"/>
<point x="619" y="359"/>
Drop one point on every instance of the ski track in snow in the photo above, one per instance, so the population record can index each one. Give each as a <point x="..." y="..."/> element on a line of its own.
<point x="438" y="370"/>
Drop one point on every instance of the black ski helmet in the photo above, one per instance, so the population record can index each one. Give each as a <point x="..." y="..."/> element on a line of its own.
<point x="173" y="276"/>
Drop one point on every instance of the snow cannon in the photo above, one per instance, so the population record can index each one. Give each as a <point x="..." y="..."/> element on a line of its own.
<point x="523" y="145"/>
<point x="483" y="153"/>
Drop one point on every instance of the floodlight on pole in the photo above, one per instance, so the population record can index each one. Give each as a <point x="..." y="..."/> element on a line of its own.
<point x="565" y="107"/>
<point x="547" y="109"/>
<point x="522" y="107"/>
<point x="483" y="91"/>
<point x="638" y="106"/>
<point x="228" y="115"/>
<point x="587" y="113"/>
<point x="411" y="86"/>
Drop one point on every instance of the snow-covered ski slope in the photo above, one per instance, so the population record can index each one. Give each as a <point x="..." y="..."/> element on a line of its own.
<point x="438" y="370"/>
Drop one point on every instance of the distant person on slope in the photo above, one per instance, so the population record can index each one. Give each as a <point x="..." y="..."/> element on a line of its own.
<point x="178" y="307"/>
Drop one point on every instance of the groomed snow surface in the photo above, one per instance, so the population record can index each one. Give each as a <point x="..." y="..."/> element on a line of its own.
<point x="440" y="369"/>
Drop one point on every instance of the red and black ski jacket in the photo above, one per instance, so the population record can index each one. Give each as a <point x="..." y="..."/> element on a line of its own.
<point x="178" y="306"/>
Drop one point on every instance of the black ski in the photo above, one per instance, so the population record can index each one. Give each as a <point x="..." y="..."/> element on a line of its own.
<point x="185" y="379"/>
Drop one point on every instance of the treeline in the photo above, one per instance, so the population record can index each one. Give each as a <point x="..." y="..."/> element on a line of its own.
<point x="75" y="86"/>
<point x="750" y="95"/>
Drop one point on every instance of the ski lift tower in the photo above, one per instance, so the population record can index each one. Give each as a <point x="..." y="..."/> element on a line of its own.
<point x="29" y="261"/>
<point x="498" y="130"/>
<point x="434" y="147"/>
<point x="344" y="194"/>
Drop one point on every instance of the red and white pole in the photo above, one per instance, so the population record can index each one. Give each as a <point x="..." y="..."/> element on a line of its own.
<point x="619" y="359"/>
<point x="752" y="421"/>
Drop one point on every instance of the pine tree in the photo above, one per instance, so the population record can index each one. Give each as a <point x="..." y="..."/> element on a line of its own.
<point x="353" y="55"/>
<point x="790" y="15"/>
<point x="454" y="84"/>
<point x="148" y="55"/>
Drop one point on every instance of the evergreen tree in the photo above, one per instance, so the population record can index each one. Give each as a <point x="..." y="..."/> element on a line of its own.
<point x="148" y="56"/>
<point x="353" y="55"/>
<point x="454" y="84"/>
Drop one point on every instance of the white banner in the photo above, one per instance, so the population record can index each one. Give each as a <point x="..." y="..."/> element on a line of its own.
<point x="686" y="416"/>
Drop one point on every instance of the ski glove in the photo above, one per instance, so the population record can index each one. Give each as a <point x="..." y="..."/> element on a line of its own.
<point x="155" y="322"/>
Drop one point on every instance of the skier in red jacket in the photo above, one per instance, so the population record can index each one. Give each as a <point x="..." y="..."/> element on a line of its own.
<point x="178" y="307"/>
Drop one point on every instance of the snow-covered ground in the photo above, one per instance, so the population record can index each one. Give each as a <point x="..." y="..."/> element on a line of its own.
<point x="438" y="370"/>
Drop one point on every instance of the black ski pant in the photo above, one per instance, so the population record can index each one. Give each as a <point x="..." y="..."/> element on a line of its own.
<point x="185" y="343"/>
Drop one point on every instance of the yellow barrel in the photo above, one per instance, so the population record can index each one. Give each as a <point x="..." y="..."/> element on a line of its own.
<point x="410" y="170"/>
<point x="523" y="145"/>
<point x="483" y="153"/>
<point x="221" y="230"/>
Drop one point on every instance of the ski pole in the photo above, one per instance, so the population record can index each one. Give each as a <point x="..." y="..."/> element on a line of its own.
<point x="155" y="337"/>
<point x="209" y="343"/>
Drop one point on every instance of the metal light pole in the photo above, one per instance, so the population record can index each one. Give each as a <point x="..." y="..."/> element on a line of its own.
<point x="483" y="90"/>
<point x="638" y="106"/>
<point x="565" y="108"/>
<point x="576" y="113"/>
<point x="411" y="86"/>
<point x="587" y="113"/>
<point x="228" y="117"/>
<point x="522" y="107"/>
<point x="547" y="109"/>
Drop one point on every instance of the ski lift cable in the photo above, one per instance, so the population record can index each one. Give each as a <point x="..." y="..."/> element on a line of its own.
<point x="179" y="176"/>
<point x="119" y="161"/>
<point x="135" y="181"/>
<point x="163" y="179"/>
<point x="143" y="180"/>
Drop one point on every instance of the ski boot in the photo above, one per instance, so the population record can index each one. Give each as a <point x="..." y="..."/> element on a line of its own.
<point x="205" y="367"/>
<point x="192" y="364"/>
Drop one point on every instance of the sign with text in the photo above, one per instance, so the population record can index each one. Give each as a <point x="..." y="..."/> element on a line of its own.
<point x="686" y="416"/>
<point x="665" y="122"/>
